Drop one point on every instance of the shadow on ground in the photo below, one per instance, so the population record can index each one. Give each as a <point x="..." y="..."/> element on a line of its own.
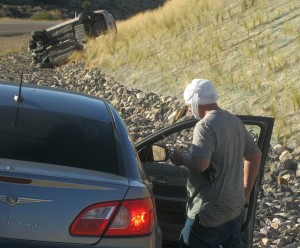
<point x="120" y="9"/>
<point x="124" y="9"/>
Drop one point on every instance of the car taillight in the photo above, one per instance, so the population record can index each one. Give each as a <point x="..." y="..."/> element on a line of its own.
<point x="94" y="219"/>
<point x="133" y="218"/>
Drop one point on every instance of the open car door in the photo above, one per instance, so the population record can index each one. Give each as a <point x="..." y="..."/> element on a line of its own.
<point x="169" y="181"/>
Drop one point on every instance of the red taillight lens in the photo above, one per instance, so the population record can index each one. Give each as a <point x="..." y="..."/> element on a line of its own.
<point x="94" y="220"/>
<point x="134" y="218"/>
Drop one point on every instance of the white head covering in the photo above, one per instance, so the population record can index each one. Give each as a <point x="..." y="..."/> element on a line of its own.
<point x="200" y="92"/>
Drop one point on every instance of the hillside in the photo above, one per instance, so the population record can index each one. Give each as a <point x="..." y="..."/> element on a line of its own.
<point x="250" y="49"/>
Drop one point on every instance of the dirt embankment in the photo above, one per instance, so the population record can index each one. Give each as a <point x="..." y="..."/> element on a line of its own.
<point x="13" y="43"/>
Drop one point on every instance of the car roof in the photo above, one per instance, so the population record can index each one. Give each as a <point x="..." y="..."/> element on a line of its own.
<point x="55" y="100"/>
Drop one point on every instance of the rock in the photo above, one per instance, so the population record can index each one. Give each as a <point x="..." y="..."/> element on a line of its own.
<point x="293" y="245"/>
<point x="266" y="241"/>
<point x="278" y="242"/>
<point x="293" y="205"/>
<point x="278" y="149"/>
<point x="286" y="159"/>
<point x="274" y="167"/>
<point x="275" y="225"/>
<point x="282" y="181"/>
<point x="296" y="153"/>
<point x="264" y="231"/>
<point x="296" y="229"/>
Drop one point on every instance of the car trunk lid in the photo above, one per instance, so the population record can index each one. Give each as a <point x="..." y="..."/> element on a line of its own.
<point x="42" y="201"/>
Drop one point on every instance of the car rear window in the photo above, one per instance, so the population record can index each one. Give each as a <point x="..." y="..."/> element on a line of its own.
<point x="47" y="137"/>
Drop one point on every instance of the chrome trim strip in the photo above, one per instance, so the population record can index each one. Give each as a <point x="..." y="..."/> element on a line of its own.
<point x="14" y="200"/>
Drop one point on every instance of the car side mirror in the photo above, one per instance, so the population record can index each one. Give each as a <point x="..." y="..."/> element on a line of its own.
<point x="154" y="153"/>
<point x="160" y="153"/>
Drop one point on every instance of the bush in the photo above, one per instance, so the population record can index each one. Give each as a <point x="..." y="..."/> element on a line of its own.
<point x="52" y="15"/>
<point x="86" y="4"/>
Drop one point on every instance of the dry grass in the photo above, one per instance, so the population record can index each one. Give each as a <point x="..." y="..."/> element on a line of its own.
<point x="9" y="44"/>
<point x="250" y="49"/>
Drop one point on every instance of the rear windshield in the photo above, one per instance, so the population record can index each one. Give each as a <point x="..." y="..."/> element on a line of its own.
<point x="40" y="136"/>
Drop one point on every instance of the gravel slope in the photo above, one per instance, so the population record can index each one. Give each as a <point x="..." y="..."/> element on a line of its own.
<point x="278" y="213"/>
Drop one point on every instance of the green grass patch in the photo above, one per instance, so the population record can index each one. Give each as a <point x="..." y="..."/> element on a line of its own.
<point x="51" y="15"/>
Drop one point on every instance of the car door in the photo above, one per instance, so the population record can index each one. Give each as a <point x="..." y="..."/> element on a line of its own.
<point x="169" y="181"/>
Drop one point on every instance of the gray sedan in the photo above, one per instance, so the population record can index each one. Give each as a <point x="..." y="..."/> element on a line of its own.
<point x="69" y="174"/>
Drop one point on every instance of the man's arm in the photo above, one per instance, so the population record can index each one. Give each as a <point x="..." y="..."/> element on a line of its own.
<point x="195" y="164"/>
<point x="251" y="169"/>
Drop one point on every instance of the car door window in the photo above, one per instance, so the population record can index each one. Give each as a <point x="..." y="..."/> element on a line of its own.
<point x="165" y="173"/>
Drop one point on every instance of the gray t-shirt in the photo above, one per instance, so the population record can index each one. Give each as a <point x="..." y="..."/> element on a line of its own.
<point x="221" y="137"/>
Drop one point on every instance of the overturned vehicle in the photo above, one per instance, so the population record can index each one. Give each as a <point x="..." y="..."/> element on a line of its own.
<point x="52" y="46"/>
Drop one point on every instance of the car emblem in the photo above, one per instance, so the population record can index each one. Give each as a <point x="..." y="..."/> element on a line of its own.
<point x="13" y="200"/>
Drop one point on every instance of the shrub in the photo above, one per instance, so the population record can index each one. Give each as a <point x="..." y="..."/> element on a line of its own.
<point x="47" y="15"/>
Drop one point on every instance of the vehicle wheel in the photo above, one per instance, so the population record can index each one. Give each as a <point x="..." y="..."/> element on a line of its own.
<point x="87" y="16"/>
<point x="38" y="35"/>
<point x="32" y="45"/>
<point x="98" y="28"/>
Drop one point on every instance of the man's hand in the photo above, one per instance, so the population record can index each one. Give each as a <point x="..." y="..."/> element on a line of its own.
<point x="247" y="195"/>
<point x="176" y="157"/>
<point x="195" y="164"/>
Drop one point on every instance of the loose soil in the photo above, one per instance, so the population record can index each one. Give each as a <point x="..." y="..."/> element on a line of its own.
<point x="13" y="43"/>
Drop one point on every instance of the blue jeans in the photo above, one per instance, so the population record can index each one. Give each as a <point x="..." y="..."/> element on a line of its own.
<point x="227" y="235"/>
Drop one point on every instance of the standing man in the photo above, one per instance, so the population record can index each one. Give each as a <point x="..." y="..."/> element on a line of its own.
<point x="223" y="161"/>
